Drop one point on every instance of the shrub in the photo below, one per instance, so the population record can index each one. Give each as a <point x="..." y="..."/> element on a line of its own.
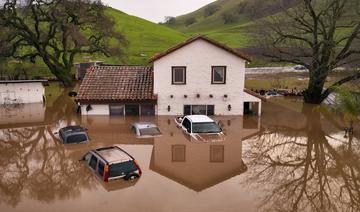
<point x="228" y="17"/>
<point x="210" y="10"/>
<point x="190" y="21"/>
<point x="169" y="20"/>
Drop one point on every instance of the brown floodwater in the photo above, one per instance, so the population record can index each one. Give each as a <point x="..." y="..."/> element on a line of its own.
<point x="293" y="158"/>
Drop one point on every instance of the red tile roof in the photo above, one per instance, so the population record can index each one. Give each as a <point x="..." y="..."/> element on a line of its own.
<point x="117" y="84"/>
<point x="180" y="45"/>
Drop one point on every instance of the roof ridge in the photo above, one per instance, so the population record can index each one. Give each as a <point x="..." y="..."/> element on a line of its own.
<point x="194" y="38"/>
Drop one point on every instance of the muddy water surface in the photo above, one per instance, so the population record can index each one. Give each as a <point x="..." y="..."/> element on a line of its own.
<point x="292" y="159"/>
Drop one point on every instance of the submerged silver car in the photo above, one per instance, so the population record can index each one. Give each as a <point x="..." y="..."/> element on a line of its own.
<point x="145" y="130"/>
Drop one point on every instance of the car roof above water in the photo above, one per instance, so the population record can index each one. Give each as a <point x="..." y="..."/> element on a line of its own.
<point x="143" y="125"/>
<point x="113" y="154"/>
<point x="199" y="118"/>
<point x="72" y="129"/>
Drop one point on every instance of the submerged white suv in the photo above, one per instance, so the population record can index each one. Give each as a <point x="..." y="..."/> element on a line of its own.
<point x="201" y="128"/>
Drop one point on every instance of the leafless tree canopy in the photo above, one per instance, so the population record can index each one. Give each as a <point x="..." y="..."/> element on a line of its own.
<point x="320" y="35"/>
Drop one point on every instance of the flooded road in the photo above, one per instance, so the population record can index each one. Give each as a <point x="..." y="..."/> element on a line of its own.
<point x="292" y="159"/>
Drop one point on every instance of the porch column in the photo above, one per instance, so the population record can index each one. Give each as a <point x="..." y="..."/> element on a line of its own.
<point x="259" y="108"/>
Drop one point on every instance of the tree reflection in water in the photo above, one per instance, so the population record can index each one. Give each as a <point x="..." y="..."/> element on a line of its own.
<point x="306" y="169"/>
<point x="35" y="165"/>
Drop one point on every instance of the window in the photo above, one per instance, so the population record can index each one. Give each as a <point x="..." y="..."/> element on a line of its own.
<point x="93" y="162"/>
<point x="216" y="153"/>
<point x="187" y="124"/>
<point x="76" y="139"/>
<point x="132" y="110"/>
<point x="218" y="75"/>
<point x="117" y="110"/>
<point x="187" y="110"/>
<point x="147" y="110"/>
<point x="87" y="158"/>
<point x="150" y="131"/>
<point x="206" y="127"/>
<point x="101" y="167"/>
<point x="210" y="110"/>
<point x="178" y="153"/>
<point x="178" y="75"/>
<point x="120" y="169"/>
<point x="199" y="109"/>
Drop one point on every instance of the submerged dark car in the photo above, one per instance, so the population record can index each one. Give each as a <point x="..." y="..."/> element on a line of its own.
<point x="73" y="135"/>
<point x="112" y="163"/>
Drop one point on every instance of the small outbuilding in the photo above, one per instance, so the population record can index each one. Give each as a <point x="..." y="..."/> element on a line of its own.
<point x="22" y="91"/>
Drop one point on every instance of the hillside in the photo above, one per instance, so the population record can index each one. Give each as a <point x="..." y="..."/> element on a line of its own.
<point x="225" y="20"/>
<point x="144" y="40"/>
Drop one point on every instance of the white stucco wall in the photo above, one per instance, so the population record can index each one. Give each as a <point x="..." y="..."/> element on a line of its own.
<point x="96" y="110"/>
<point x="199" y="57"/>
<point x="30" y="92"/>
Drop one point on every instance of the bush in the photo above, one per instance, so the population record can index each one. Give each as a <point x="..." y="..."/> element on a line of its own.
<point x="242" y="7"/>
<point x="190" y="21"/>
<point x="228" y="17"/>
<point x="169" y="20"/>
<point x="210" y="10"/>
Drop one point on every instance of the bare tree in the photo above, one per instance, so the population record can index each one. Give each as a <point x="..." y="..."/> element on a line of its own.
<point x="320" y="35"/>
<point x="305" y="168"/>
<point x="56" y="31"/>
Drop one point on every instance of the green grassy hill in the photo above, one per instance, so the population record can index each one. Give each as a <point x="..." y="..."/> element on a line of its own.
<point x="144" y="37"/>
<point x="225" y="20"/>
<point x="144" y="40"/>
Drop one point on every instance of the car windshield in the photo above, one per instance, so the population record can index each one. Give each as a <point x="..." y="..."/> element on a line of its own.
<point x="206" y="127"/>
<point x="150" y="131"/>
<point x="76" y="139"/>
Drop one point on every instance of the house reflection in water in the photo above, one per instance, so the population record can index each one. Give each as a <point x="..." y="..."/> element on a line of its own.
<point x="197" y="165"/>
<point x="22" y="115"/>
<point x="200" y="165"/>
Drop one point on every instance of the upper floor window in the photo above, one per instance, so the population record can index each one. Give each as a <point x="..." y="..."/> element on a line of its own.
<point x="178" y="75"/>
<point x="218" y="75"/>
